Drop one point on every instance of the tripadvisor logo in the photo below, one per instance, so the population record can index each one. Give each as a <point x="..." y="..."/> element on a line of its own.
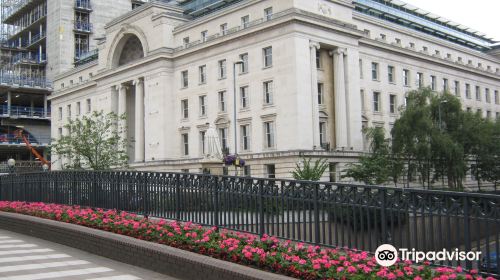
<point x="387" y="255"/>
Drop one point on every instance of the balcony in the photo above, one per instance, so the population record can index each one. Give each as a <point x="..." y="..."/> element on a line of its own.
<point x="10" y="139"/>
<point x="24" y="112"/>
<point x="36" y="38"/>
<point x="83" y="5"/>
<point x="86" y="57"/>
<point x="29" y="58"/>
<point x="14" y="80"/>
<point x="15" y="10"/>
<point x="84" y="27"/>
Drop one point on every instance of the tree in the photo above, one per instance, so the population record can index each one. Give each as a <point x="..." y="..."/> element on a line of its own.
<point x="310" y="172"/>
<point x="93" y="142"/>
<point x="377" y="166"/>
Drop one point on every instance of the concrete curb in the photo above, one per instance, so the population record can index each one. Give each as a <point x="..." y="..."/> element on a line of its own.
<point x="148" y="255"/>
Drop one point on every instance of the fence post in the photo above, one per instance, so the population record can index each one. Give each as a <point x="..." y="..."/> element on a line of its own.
<point x="215" y="190"/>
<point x="177" y="197"/>
<point x="145" y="194"/>
<point x="383" y="215"/>
<point x="261" y="208"/>
<point x="94" y="190"/>
<point x="317" y="235"/>
<point x="467" y="229"/>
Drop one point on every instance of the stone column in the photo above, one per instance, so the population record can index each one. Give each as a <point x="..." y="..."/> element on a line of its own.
<point x="122" y="108"/>
<point x="139" y="120"/>
<point x="340" y="99"/>
<point x="313" y="47"/>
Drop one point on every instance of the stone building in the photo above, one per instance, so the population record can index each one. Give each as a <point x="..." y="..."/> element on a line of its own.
<point x="310" y="74"/>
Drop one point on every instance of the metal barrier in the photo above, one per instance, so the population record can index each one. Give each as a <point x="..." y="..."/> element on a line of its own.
<point x="328" y="214"/>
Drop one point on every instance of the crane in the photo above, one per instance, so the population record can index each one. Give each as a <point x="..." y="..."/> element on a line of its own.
<point x="20" y="135"/>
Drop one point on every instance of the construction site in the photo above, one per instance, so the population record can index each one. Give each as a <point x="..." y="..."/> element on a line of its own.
<point x="24" y="87"/>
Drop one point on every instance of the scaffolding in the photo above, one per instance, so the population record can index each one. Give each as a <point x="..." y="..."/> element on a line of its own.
<point x="22" y="56"/>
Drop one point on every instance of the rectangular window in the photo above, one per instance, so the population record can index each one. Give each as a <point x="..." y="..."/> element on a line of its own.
<point x="60" y="113"/>
<point x="268" y="56"/>
<point x="497" y="114"/>
<point x="376" y="102"/>
<point x="244" y="65"/>
<point x="322" y="133"/>
<point x="245" y="137"/>
<point x="332" y="169"/>
<point x="271" y="171"/>
<point x="204" y="36"/>
<point x="269" y="135"/>
<point x="478" y="93"/>
<point x="487" y="95"/>
<point x="203" y="74"/>
<point x="59" y="132"/>
<point x="457" y="88"/>
<point x="222" y="69"/>
<point x="318" y="59"/>
<point x="406" y="77"/>
<point x="420" y="80"/>
<point x="374" y="71"/>
<point x="445" y="85"/>
<point x="78" y="108"/>
<point x="361" y="75"/>
<point x="488" y="114"/>
<point x="69" y="111"/>
<point x="247" y="171"/>
<point x="321" y="98"/>
<point x="185" y="108"/>
<point x="89" y="105"/>
<point x="433" y="82"/>
<point x="203" y="105"/>
<point x="244" y="98"/>
<point x="223" y="29"/>
<point x="245" y="21"/>
<point x="185" y="144"/>
<point x="480" y="112"/>
<point x="467" y="91"/>
<point x="222" y="101"/>
<point x="223" y="138"/>
<point x="362" y="97"/>
<point x="392" y="103"/>
<point x="184" y="79"/>
<point x="202" y="142"/>
<point x="390" y="74"/>
<point x="185" y="41"/>
<point x="268" y="13"/>
<point x="497" y="99"/>
<point x="268" y="92"/>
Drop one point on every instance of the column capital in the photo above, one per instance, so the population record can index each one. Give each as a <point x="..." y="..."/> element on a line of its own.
<point x="338" y="51"/>
<point x="138" y="81"/>
<point x="315" y="45"/>
<point x="121" y="87"/>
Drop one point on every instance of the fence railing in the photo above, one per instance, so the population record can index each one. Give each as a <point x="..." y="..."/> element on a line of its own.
<point x="328" y="214"/>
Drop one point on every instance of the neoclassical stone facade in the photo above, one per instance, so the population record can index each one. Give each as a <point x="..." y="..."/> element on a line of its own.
<point x="310" y="74"/>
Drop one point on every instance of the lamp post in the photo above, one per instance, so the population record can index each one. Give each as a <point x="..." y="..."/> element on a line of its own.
<point x="239" y="62"/>
<point x="11" y="163"/>
<point x="45" y="167"/>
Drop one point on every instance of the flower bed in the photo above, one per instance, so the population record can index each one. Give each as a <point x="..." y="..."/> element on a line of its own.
<point x="268" y="253"/>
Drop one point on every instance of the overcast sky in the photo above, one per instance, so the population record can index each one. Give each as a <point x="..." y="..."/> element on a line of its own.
<point x="481" y="15"/>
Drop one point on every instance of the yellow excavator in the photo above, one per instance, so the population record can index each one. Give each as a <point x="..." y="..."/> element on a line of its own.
<point x="19" y="134"/>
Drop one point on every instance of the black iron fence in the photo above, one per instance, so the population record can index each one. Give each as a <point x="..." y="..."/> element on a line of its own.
<point x="354" y="216"/>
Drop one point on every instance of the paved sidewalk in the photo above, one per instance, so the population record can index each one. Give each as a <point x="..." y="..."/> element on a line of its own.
<point x="27" y="258"/>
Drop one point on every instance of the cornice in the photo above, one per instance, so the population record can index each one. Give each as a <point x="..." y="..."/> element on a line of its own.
<point x="426" y="58"/>
<point x="422" y="36"/>
<point x="285" y="17"/>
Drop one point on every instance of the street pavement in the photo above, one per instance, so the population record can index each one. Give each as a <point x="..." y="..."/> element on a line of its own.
<point x="27" y="258"/>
